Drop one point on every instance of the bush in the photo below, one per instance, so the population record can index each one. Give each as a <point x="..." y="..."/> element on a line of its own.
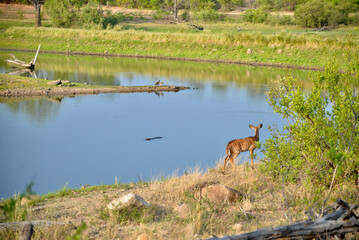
<point x="318" y="13"/>
<point x="322" y="132"/>
<point x="62" y="13"/>
<point x="278" y="19"/>
<point x="207" y="15"/>
<point x="91" y="15"/>
<point x="259" y="15"/>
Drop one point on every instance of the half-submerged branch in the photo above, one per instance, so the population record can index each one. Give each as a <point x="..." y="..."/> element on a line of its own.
<point x="17" y="62"/>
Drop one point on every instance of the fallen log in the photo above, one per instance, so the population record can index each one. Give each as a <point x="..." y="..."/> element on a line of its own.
<point x="30" y="65"/>
<point x="338" y="223"/>
<point x="35" y="223"/>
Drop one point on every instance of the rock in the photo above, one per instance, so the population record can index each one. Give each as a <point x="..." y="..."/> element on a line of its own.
<point x="105" y="51"/>
<point x="279" y="50"/>
<point x="143" y="236"/>
<point x="55" y="82"/>
<point x="220" y="193"/>
<point x="249" y="51"/>
<point x="127" y="200"/>
<point x="65" y="82"/>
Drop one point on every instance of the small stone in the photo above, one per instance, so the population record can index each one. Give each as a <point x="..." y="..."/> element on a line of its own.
<point x="279" y="50"/>
<point x="127" y="200"/>
<point x="55" y="82"/>
<point x="249" y="51"/>
<point x="143" y="236"/>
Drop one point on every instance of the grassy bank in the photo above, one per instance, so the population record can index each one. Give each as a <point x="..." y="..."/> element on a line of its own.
<point x="265" y="203"/>
<point x="220" y="42"/>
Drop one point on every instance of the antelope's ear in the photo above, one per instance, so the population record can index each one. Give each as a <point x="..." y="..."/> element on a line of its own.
<point x="260" y="125"/>
<point x="251" y="126"/>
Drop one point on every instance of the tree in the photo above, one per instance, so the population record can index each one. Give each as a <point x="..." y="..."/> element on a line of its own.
<point x="37" y="5"/>
<point x="322" y="131"/>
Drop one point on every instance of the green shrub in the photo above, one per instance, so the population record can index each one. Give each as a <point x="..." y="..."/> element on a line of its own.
<point x="318" y="13"/>
<point x="278" y="19"/>
<point x="322" y="133"/>
<point x="207" y="15"/>
<point x="354" y="19"/>
<point x="62" y="13"/>
<point x="259" y="15"/>
<point x="91" y="15"/>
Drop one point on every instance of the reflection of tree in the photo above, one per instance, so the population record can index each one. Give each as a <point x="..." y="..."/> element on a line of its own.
<point x="39" y="110"/>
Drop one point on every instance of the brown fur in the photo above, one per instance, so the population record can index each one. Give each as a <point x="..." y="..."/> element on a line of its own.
<point x="235" y="147"/>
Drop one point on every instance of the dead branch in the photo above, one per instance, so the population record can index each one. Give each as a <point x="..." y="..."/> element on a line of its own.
<point x="17" y="62"/>
<point x="337" y="223"/>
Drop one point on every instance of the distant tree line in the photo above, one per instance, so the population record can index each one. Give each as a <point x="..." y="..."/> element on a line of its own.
<point x="307" y="13"/>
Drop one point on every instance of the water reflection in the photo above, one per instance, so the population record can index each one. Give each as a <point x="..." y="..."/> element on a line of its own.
<point x="92" y="139"/>
<point x="25" y="72"/>
<point x="38" y="110"/>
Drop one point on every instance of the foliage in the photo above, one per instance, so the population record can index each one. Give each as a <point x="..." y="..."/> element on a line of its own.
<point x="318" y="13"/>
<point x="207" y="15"/>
<point x="259" y="15"/>
<point x="91" y="15"/>
<point x="231" y="4"/>
<point x="62" y="13"/>
<point x="278" y="19"/>
<point x="11" y="207"/>
<point x="322" y="132"/>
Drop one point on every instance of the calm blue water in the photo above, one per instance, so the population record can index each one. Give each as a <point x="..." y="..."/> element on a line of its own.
<point x="92" y="139"/>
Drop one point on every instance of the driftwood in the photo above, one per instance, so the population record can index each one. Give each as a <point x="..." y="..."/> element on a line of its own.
<point x="35" y="223"/>
<point x="197" y="27"/>
<point x="27" y="227"/>
<point x="26" y="231"/>
<point x="338" y="223"/>
<point x="30" y="65"/>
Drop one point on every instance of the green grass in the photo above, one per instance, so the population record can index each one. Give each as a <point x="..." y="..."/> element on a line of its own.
<point x="12" y="82"/>
<point x="271" y="45"/>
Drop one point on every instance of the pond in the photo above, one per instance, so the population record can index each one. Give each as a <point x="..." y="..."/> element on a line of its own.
<point x="93" y="139"/>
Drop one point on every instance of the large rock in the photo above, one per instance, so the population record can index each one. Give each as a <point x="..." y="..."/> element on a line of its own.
<point x="126" y="201"/>
<point x="220" y="193"/>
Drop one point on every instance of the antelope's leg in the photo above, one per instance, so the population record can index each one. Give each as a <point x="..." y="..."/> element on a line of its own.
<point x="225" y="162"/>
<point x="231" y="159"/>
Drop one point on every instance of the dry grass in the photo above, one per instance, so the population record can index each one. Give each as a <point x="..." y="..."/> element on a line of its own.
<point x="267" y="202"/>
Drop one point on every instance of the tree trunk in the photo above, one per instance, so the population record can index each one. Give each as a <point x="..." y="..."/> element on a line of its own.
<point x="38" y="15"/>
<point x="175" y="10"/>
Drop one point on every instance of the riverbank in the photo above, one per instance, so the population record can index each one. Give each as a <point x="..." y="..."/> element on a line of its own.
<point x="278" y="47"/>
<point x="16" y="86"/>
<point x="176" y="209"/>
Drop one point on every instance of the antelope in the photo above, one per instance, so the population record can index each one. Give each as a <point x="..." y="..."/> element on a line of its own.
<point x="235" y="147"/>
